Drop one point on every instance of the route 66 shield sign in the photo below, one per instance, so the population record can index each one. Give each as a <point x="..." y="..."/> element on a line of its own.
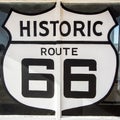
<point x="66" y="61"/>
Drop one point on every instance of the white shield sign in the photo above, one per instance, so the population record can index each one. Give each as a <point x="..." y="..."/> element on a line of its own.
<point x="59" y="58"/>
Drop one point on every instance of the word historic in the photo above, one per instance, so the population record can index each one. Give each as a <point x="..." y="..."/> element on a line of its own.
<point x="65" y="28"/>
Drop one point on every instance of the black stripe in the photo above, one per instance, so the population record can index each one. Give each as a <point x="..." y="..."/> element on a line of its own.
<point x="60" y="42"/>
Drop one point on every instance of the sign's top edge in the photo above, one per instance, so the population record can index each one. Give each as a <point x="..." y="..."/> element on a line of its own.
<point x="64" y="1"/>
<point x="91" y="1"/>
<point x="25" y="1"/>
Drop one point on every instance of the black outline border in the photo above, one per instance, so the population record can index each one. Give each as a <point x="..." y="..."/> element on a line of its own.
<point x="65" y="42"/>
